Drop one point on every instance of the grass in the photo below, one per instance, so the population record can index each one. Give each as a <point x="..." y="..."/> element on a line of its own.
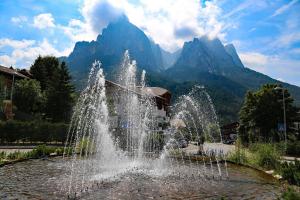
<point x="37" y="152"/>
<point x="290" y="194"/>
<point x="266" y="157"/>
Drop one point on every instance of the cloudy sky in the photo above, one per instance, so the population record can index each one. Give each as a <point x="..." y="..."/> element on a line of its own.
<point x="266" y="33"/>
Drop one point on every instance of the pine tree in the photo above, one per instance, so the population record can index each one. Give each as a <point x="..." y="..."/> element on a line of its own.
<point x="55" y="81"/>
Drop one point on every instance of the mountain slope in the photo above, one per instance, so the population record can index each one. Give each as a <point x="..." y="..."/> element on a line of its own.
<point x="109" y="48"/>
<point x="210" y="56"/>
<point x="200" y="62"/>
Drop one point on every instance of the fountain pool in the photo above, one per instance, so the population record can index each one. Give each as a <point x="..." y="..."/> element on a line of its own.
<point x="139" y="160"/>
<point x="41" y="179"/>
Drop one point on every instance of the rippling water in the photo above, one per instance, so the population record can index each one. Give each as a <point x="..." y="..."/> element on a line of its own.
<point x="43" y="179"/>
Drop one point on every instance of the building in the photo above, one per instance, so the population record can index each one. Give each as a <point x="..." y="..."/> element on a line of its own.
<point x="230" y="132"/>
<point x="7" y="78"/>
<point x="161" y="97"/>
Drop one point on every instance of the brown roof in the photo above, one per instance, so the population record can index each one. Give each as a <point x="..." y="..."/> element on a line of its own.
<point x="11" y="71"/>
<point x="153" y="91"/>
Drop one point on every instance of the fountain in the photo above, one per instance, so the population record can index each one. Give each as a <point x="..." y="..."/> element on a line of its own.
<point x="114" y="150"/>
<point x="97" y="153"/>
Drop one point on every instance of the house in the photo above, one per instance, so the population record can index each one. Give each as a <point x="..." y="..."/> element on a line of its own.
<point x="160" y="96"/>
<point x="7" y="78"/>
<point x="230" y="131"/>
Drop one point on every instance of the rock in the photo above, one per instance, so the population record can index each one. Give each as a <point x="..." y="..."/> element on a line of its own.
<point x="53" y="154"/>
<point x="270" y="172"/>
<point x="277" y="176"/>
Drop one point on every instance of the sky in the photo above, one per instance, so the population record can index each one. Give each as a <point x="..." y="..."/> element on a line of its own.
<point x="266" y="33"/>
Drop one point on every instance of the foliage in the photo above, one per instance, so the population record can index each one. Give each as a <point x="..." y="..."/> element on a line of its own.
<point x="33" y="131"/>
<point x="267" y="155"/>
<point x="290" y="194"/>
<point x="239" y="155"/>
<point x="85" y="146"/>
<point x="293" y="148"/>
<point x="55" y="82"/>
<point x="28" y="96"/>
<point x="262" y="111"/>
<point x="291" y="172"/>
<point x="37" y="152"/>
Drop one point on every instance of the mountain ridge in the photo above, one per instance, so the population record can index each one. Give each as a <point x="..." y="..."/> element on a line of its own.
<point x="201" y="61"/>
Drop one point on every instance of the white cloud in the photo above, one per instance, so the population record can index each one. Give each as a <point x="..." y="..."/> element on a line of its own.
<point x="288" y="38"/>
<point x="43" y="21"/>
<point x="254" y="60"/>
<point x="25" y="52"/>
<point x="275" y="66"/>
<point x="169" y="22"/>
<point x="17" y="44"/>
<point x="284" y="8"/>
<point x="7" y="61"/>
<point x="77" y="30"/>
<point x="19" y="20"/>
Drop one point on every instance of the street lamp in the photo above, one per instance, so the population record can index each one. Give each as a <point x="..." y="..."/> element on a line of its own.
<point x="284" y="114"/>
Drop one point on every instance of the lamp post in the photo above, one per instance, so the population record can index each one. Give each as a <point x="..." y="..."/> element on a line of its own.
<point x="284" y="115"/>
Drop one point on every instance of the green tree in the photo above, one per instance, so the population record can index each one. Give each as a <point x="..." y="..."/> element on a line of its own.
<point x="262" y="111"/>
<point x="60" y="93"/>
<point x="28" y="96"/>
<point x="55" y="81"/>
<point x="43" y="69"/>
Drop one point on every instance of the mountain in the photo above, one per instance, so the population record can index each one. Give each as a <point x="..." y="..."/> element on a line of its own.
<point x="203" y="55"/>
<point x="169" y="58"/>
<point x="202" y="61"/>
<point x="232" y="52"/>
<point x="109" y="48"/>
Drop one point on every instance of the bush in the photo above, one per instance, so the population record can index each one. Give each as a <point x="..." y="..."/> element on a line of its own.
<point x="267" y="155"/>
<point x="14" y="156"/>
<point x="291" y="172"/>
<point x="290" y="194"/>
<point x="2" y="155"/>
<point x="33" y="131"/>
<point x="293" y="148"/>
<point x="239" y="155"/>
<point x="85" y="146"/>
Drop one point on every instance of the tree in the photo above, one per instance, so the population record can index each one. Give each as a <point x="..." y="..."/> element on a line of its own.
<point x="60" y="95"/>
<point x="43" y="69"/>
<point x="55" y="82"/>
<point x="28" y="96"/>
<point x="262" y="111"/>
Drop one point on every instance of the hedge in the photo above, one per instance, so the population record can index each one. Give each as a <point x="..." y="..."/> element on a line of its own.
<point x="33" y="131"/>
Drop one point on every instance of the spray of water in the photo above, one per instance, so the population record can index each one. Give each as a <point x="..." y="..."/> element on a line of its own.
<point x="97" y="151"/>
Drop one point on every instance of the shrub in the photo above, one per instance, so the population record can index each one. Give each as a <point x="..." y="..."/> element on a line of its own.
<point x="14" y="156"/>
<point x="291" y="172"/>
<point x="293" y="148"/>
<point x="2" y="155"/>
<point x="239" y="155"/>
<point x="290" y="194"/>
<point x="84" y="146"/>
<point x="32" y="131"/>
<point x="267" y="155"/>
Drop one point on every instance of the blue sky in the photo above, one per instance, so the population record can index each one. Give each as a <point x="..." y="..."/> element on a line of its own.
<point x="266" y="33"/>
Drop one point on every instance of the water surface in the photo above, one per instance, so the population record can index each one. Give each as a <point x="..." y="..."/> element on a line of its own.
<point x="45" y="179"/>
